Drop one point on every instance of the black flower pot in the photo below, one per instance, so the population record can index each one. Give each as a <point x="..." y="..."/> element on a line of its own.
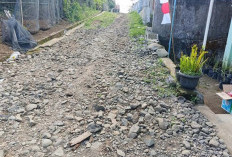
<point x="210" y="73"/>
<point x="215" y="75"/>
<point x="205" y="71"/>
<point x="189" y="82"/>
<point x="229" y="76"/>
<point x="227" y="80"/>
<point x="219" y="78"/>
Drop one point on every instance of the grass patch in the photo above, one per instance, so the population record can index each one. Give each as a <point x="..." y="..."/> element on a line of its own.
<point x="156" y="76"/>
<point x="75" y="12"/>
<point x="89" y="12"/>
<point x="30" y="52"/>
<point x="137" y="27"/>
<point x="103" y="20"/>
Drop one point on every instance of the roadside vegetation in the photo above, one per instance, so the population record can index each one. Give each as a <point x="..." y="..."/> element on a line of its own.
<point x="74" y="11"/>
<point x="157" y="76"/>
<point x="103" y="20"/>
<point x="137" y="27"/>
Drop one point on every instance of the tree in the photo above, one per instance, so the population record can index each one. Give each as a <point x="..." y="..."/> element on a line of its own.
<point x="99" y="4"/>
<point x="111" y="4"/>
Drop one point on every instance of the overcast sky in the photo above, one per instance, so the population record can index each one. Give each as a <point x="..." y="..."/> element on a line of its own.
<point x="125" y="5"/>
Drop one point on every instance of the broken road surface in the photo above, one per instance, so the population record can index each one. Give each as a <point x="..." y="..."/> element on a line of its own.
<point x="92" y="82"/>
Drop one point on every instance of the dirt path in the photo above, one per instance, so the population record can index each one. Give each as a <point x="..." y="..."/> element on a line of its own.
<point x="93" y="80"/>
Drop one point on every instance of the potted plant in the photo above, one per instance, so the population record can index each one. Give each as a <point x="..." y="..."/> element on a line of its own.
<point x="205" y="69"/>
<point x="191" y="68"/>
<point x="215" y="71"/>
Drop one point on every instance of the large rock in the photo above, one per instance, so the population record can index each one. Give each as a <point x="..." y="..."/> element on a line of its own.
<point x="153" y="153"/>
<point x="162" y="53"/>
<point x="46" y="143"/>
<point x="214" y="142"/>
<point x="46" y="135"/>
<point x="187" y="145"/>
<point x="149" y="141"/>
<point x="94" y="128"/>
<point x="160" y="109"/>
<point x="155" y="46"/>
<point x="185" y="152"/>
<point x="120" y="153"/>
<point x="163" y="124"/>
<point x="134" y="130"/>
<point x="31" y="107"/>
<point x="195" y="125"/>
<point x="59" y="123"/>
<point x="59" y="152"/>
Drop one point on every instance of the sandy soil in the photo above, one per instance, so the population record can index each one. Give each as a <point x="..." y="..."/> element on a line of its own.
<point x="209" y="87"/>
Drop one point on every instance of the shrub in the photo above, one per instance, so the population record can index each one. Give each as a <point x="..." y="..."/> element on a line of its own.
<point x="193" y="65"/>
<point x="99" y="4"/>
<point x="72" y="10"/>
<point x="75" y="12"/>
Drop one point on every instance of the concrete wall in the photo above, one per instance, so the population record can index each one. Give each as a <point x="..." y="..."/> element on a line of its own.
<point x="145" y="12"/>
<point x="190" y="21"/>
<point x="138" y="6"/>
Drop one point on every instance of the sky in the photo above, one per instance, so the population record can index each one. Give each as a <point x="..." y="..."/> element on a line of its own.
<point x="125" y="5"/>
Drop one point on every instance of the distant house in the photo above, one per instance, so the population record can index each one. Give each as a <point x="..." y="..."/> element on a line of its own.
<point x="116" y="9"/>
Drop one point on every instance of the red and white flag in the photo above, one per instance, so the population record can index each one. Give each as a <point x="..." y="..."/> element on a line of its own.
<point x="166" y="12"/>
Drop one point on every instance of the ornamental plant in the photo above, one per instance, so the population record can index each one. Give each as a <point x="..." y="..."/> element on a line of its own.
<point x="193" y="65"/>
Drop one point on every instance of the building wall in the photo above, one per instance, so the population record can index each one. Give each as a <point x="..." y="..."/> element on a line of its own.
<point x="145" y="12"/>
<point x="145" y="9"/>
<point x="190" y="21"/>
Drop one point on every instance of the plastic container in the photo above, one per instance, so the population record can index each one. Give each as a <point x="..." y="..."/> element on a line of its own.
<point x="227" y="105"/>
<point x="189" y="82"/>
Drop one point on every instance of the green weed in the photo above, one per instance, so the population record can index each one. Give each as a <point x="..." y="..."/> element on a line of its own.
<point x="157" y="76"/>
<point x="103" y="20"/>
<point x="75" y="12"/>
<point x="136" y="25"/>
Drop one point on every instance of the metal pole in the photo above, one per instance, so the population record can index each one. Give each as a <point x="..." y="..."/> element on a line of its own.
<point x="21" y="10"/>
<point x="208" y="23"/>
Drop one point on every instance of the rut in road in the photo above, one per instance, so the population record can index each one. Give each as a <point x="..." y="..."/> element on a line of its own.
<point x="93" y="80"/>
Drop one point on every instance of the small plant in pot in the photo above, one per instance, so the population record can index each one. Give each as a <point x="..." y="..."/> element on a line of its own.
<point x="215" y="71"/>
<point x="191" y="68"/>
<point x="205" y="70"/>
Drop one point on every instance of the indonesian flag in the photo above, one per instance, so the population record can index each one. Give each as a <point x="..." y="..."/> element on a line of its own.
<point x="166" y="12"/>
